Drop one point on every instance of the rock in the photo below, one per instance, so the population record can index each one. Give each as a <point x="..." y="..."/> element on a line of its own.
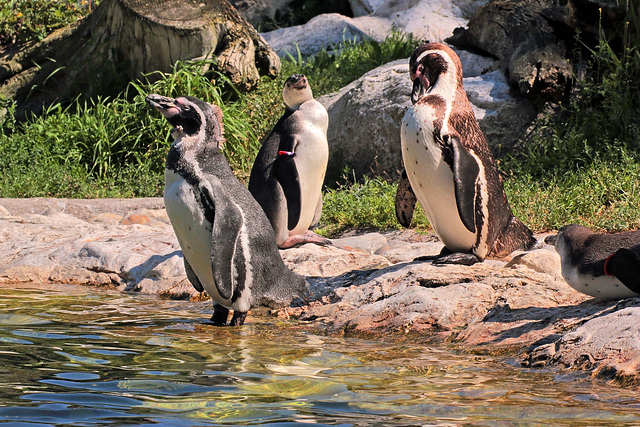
<point x="365" y="118"/>
<point x="606" y="344"/>
<point x="106" y="217"/>
<point x="522" y="37"/>
<point x="323" y="31"/>
<point x="84" y="209"/>
<point x="4" y="211"/>
<point x="370" y="242"/>
<point x="380" y="99"/>
<point x="329" y="261"/>
<point x="426" y="20"/>
<point x="368" y="287"/>
<point x="255" y="11"/>
<point x="132" y="218"/>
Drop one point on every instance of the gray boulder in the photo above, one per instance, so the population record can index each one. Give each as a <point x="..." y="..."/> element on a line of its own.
<point x="323" y="31"/>
<point x="524" y="40"/>
<point x="426" y="20"/>
<point x="255" y="11"/>
<point x="365" y="116"/>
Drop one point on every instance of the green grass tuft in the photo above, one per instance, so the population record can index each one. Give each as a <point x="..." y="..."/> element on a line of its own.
<point x="367" y="204"/>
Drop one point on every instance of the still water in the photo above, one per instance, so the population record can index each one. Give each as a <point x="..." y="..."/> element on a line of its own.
<point x="92" y="357"/>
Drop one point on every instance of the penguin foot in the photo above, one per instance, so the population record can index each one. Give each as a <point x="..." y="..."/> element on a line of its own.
<point x="238" y="318"/>
<point x="306" y="237"/>
<point x="457" y="258"/>
<point x="220" y="314"/>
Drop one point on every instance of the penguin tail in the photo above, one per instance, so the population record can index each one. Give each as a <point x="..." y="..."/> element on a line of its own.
<point x="515" y="236"/>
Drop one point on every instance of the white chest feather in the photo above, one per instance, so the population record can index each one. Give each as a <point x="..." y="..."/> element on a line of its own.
<point x="312" y="155"/>
<point x="192" y="230"/>
<point x="605" y="287"/>
<point x="432" y="179"/>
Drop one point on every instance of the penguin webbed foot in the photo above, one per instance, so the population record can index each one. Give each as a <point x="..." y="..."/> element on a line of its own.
<point x="306" y="237"/>
<point x="447" y="257"/>
<point x="238" y="318"/>
<point x="219" y="316"/>
<point x="457" y="258"/>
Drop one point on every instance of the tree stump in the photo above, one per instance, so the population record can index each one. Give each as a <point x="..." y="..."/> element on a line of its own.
<point x="122" y="40"/>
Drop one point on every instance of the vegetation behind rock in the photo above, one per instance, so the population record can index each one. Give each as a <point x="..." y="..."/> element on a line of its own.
<point x="579" y="164"/>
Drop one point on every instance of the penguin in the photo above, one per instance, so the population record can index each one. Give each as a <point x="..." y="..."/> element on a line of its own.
<point x="605" y="266"/>
<point x="288" y="172"/>
<point x="228" y="244"/>
<point x="449" y="169"/>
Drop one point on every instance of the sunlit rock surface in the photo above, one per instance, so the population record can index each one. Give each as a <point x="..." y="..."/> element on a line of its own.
<point x="365" y="284"/>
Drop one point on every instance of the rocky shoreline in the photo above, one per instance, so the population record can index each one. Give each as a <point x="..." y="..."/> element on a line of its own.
<point x="364" y="285"/>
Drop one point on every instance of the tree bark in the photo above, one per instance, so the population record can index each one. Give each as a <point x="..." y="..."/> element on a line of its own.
<point x="122" y="40"/>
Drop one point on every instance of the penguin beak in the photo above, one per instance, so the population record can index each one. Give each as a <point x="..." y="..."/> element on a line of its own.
<point x="163" y="104"/>
<point x="297" y="81"/>
<point x="551" y="240"/>
<point x="420" y="87"/>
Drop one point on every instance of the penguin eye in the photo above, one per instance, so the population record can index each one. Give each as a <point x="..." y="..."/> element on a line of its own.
<point x="420" y="68"/>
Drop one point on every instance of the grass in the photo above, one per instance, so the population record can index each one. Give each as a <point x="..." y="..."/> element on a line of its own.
<point x="28" y="20"/>
<point x="579" y="165"/>
<point x="116" y="147"/>
<point x="582" y="162"/>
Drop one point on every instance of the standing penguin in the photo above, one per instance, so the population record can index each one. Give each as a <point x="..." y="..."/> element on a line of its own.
<point x="449" y="168"/>
<point x="227" y="242"/>
<point x="287" y="175"/>
<point x="600" y="265"/>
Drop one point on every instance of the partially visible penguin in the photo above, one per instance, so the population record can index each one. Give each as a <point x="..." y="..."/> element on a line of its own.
<point x="228" y="244"/>
<point x="601" y="265"/>
<point x="449" y="168"/>
<point x="287" y="175"/>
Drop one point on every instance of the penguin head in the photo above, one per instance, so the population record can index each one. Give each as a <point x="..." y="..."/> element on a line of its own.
<point x="434" y="68"/>
<point x="296" y="91"/>
<point x="192" y="118"/>
<point x="569" y="238"/>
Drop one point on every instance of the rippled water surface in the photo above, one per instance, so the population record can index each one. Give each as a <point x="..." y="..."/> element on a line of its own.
<point x="91" y="357"/>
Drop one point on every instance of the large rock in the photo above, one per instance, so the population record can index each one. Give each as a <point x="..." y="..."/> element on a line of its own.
<point x="323" y="31"/>
<point x="362" y="285"/>
<point x="365" y="116"/>
<point x="256" y="11"/>
<point x="522" y="37"/>
<point x="426" y="20"/>
<point x="606" y="344"/>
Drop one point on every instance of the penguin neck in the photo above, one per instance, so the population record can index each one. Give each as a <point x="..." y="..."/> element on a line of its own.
<point x="294" y="106"/>
<point x="446" y="86"/>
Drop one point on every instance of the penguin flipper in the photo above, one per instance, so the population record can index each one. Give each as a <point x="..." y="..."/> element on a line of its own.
<point x="286" y="173"/>
<point x="405" y="201"/>
<point x="192" y="276"/>
<point x="624" y="265"/>
<point x="227" y="222"/>
<point x="465" y="174"/>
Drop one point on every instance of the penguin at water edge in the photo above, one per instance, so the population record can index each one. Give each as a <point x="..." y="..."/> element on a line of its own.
<point x="228" y="244"/>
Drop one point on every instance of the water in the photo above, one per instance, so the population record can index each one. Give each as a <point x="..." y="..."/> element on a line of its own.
<point x="92" y="357"/>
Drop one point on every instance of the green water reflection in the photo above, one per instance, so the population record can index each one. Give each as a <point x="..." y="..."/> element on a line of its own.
<point x="90" y="357"/>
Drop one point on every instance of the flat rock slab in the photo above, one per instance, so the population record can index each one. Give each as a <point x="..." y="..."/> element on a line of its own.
<point x="364" y="285"/>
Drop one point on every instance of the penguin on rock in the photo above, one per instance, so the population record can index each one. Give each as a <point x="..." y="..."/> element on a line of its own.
<point x="605" y="266"/>
<point x="449" y="168"/>
<point x="228" y="244"/>
<point x="287" y="175"/>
